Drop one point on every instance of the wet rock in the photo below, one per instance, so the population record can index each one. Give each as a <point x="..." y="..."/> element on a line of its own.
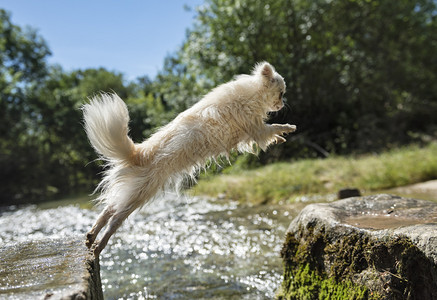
<point x="49" y="269"/>
<point x="374" y="247"/>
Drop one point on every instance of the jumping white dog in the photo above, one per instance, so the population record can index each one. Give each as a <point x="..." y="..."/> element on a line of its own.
<point x="231" y="116"/>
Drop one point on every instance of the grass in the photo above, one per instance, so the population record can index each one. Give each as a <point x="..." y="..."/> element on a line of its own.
<point x="287" y="181"/>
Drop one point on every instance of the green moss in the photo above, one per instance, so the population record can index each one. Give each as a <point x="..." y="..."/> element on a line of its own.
<point x="321" y="265"/>
<point x="304" y="271"/>
<point x="305" y="283"/>
<point x="349" y="255"/>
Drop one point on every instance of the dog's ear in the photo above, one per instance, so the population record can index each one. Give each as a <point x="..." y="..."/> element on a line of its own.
<point x="265" y="70"/>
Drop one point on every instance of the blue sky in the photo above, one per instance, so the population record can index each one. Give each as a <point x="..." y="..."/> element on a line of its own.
<point x="132" y="37"/>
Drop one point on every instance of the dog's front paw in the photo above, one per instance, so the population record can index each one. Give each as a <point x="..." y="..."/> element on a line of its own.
<point x="283" y="128"/>
<point x="279" y="139"/>
<point x="289" y="128"/>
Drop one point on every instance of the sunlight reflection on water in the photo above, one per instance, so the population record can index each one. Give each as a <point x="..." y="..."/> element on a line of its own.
<point x="176" y="248"/>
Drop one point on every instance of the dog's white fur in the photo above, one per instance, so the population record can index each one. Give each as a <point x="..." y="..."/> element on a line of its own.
<point x="230" y="117"/>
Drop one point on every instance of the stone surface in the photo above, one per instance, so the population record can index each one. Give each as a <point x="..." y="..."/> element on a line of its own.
<point x="49" y="269"/>
<point x="374" y="247"/>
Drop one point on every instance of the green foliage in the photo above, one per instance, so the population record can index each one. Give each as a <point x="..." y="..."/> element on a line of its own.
<point x="22" y="64"/>
<point x="360" y="74"/>
<point x="146" y="114"/>
<point x="56" y="119"/>
<point x="44" y="150"/>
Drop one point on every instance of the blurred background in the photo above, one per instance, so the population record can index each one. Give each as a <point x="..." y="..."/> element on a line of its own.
<point x="361" y="77"/>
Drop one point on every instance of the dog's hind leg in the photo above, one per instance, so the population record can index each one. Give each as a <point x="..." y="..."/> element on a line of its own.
<point x="114" y="223"/>
<point x="102" y="220"/>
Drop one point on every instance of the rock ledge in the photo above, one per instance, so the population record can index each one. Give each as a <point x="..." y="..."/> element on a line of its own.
<point x="374" y="247"/>
<point x="49" y="269"/>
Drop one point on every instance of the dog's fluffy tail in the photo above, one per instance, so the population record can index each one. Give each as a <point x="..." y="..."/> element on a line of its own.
<point x="106" y="121"/>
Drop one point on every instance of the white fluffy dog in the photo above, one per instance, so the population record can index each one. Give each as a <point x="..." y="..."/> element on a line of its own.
<point x="231" y="116"/>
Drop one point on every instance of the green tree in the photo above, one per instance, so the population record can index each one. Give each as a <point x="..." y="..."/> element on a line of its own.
<point x="360" y="73"/>
<point x="176" y="85"/>
<point x="23" y="57"/>
<point x="59" y="137"/>
<point x="22" y="62"/>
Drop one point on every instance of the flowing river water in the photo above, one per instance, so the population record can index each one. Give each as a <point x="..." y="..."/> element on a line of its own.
<point x="178" y="247"/>
<point x="175" y="248"/>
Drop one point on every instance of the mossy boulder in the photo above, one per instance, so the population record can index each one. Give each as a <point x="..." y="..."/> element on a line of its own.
<point x="374" y="247"/>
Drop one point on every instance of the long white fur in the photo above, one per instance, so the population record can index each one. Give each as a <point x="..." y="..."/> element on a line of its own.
<point x="106" y="124"/>
<point x="230" y="117"/>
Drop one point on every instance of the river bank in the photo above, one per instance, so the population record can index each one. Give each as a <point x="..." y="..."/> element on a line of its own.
<point x="423" y="190"/>
<point x="287" y="182"/>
